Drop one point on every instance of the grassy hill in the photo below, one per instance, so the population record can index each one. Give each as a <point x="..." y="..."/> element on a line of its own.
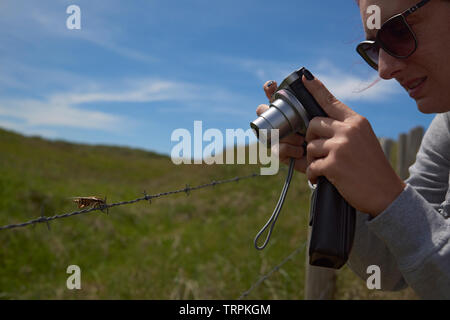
<point x="179" y="247"/>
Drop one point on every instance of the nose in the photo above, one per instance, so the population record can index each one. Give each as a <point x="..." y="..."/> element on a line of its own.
<point x="389" y="66"/>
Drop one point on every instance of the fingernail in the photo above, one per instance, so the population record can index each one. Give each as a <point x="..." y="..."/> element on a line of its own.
<point x="308" y="75"/>
<point x="270" y="83"/>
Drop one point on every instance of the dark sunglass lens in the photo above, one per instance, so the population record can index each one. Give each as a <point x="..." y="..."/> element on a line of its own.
<point x="396" y="37"/>
<point x="370" y="52"/>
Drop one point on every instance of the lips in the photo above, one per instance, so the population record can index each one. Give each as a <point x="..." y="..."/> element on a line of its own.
<point x="414" y="86"/>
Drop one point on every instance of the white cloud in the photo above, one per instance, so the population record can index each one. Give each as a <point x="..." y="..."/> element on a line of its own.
<point x="65" y="109"/>
<point x="344" y="85"/>
<point x="27" y="130"/>
<point x="263" y="70"/>
<point x="348" y="87"/>
<point x="351" y="88"/>
<point x="47" y="20"/>
<point x="143" y="90"/>
<point x="29" y="113"/>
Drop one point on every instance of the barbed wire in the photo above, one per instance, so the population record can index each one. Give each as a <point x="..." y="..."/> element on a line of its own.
<point x="187" y="189"/>
<point x="269" y="274"/>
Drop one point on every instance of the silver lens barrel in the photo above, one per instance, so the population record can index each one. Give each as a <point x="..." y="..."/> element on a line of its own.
<point x="286" y="114"/>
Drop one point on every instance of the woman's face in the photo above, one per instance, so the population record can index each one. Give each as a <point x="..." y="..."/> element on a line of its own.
<point x="425" y="75"/>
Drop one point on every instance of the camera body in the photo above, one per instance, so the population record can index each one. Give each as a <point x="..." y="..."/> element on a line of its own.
<point x="291" y="109"/>
<point x="332" y="219"/>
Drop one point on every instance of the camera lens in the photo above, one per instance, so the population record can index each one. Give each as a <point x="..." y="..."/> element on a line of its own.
<point x="286" y="114"/>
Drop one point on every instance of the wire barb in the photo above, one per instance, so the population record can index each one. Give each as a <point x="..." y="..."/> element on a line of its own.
<point x="43" y="218"/>
<point x="147" y="197"/>
<point x="187" y="189"/>
<point x="105" y="206"/>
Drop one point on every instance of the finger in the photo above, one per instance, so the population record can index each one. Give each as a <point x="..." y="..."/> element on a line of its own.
<point x="332" y="106"/>
<point x="316" y="149"/>
<point x="261" y="109"/>
<point x="316" y="169"/>
<point x="320" y="127"/>
<point x="269" y="88"/>
<point x="293" y="139"/>
<point x="300" y="165"/>
<point x="290" y="151"/>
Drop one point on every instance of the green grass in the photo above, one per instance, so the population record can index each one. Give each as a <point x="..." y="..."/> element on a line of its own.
<point x="178" y="247"/>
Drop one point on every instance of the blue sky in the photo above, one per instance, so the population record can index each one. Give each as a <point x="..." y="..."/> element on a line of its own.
<point x="139" y="69"/>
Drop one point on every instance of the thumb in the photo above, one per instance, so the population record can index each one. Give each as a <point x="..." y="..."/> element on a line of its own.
<point x="333" y="107"/>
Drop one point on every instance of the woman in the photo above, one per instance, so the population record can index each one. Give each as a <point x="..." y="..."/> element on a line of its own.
<point x="402" y="227"/>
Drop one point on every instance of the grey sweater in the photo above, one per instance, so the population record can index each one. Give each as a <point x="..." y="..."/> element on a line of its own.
<point x="409" y="241"/>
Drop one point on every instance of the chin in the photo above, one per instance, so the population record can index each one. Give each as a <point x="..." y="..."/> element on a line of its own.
<point x="424" y="108"/>
<point x="428" y="105"/>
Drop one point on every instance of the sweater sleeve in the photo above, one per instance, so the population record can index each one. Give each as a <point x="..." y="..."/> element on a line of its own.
<point x="409" y="240"/>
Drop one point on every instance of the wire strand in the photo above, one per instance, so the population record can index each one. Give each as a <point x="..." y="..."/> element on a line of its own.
<point x="146" y="197"/>
<point x="276" y="268"/>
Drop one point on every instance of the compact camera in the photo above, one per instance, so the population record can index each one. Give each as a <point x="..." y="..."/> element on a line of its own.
<point x="332" y="219"/>
<point x="291" y="109"/>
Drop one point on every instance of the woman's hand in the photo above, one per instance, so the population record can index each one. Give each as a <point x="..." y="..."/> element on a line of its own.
<point x="345" y="149"/>
<point x="292" y="145"/>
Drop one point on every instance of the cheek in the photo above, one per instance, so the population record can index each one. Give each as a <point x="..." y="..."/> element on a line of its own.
<point x="438" y="72"/>
<point x="431" y="60"/>
<point x="437" y="96"/>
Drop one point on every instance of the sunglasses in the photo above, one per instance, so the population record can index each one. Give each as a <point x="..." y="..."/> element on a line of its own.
<point x="395" y="37"/>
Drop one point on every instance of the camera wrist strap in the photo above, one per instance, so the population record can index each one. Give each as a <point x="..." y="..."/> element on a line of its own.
<point x="273" y="219"/>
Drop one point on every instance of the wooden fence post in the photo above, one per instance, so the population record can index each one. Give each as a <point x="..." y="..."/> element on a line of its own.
<point x="408" y="145"/>
<point x="414" y="140"/>
<point x="320" y="283"/>
<point x="401" y="156"/>
<point x="386" y="145"/>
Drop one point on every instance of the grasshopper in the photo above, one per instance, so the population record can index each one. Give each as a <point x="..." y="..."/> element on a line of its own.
<point x="95" y="202"/>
